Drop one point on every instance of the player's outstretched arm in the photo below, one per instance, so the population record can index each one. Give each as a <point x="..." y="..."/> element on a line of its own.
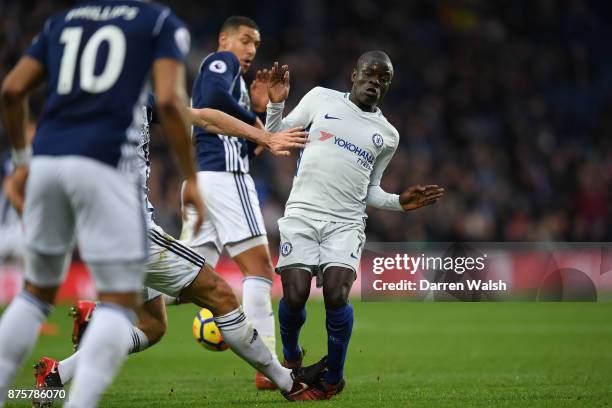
<point x="26" y="75"/>
<point x="279" y="144"/>
<point x="171" y="100"/>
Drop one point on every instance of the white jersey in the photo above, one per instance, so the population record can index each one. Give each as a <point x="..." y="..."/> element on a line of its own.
<point x="347" y="151"/>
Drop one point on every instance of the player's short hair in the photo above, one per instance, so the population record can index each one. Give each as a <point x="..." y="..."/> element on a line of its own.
<point x="373" y="55"/>
<point x="233" y="23"/>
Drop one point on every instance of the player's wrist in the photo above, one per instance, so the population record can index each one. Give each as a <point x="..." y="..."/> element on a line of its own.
<point x="22" y="157"/>
<point x="397" y="201"/>
<point x="259" y="108"/>
<point x="276" y="105"/>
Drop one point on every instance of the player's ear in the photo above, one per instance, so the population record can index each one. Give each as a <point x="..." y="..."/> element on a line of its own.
<point x="354" y="75"/>
<point x="223" y="38"/>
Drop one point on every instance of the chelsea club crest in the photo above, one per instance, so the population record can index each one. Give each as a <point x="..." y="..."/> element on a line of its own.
<point x="286" y="248"/>
<point x="377" y="140"/>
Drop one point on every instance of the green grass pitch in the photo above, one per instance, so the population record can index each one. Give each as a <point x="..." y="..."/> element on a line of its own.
<point x="401" y="354"/>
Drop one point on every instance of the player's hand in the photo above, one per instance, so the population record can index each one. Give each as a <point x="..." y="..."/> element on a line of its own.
<point x="419" y="196"/>
<point x="280" y="143"/>
<point x="259" y="92"/>
<point x="192" y="197"/>
<point x="14" y="187"/>
<point x="278" y="82"/>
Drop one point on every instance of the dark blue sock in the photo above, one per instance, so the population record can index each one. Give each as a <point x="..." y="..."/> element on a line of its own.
<point x="339" y="329"/>
<point x="291" y="322"/>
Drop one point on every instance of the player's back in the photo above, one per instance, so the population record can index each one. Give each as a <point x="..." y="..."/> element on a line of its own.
<point x="97" y="57"/>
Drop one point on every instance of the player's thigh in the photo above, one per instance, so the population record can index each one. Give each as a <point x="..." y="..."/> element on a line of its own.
<point x="206" y="238"/>
<point x="296" y="282"/>
<point x="299" y="244"/>
<point x="109" y="212"/>
<point x="49" y="224"/>
<point x="171" y="265"/>
<point x="232" y="206"/>
<point x="48" y="215"/>
<point x="341" y="245"/>
<point x="253" y="257"/>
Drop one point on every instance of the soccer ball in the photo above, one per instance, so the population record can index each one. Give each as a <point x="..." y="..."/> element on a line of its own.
<point x="206" y="331"/>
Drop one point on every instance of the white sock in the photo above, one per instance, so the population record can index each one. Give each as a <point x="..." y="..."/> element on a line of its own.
<point x="19" y="329"/>
<point x="66" y="367"/>
<point x="257" y="307"/>
<point x="104" y="347"/>
<point x="245" y="341"/>
<point x="140" y="341"/>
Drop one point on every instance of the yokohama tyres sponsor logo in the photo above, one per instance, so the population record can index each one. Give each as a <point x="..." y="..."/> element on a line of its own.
<point x="353" y="148"/>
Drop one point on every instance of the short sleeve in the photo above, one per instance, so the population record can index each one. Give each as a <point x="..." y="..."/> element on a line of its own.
<point x="38" y="47"/>
<point x="382" y="161"/>
<point x="173" y="39"/>
<point x="303" y="113"/>
<point x="220" y="68"/>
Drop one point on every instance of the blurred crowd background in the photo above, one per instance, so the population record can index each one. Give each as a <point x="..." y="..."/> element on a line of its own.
<point x="507" y="104"/>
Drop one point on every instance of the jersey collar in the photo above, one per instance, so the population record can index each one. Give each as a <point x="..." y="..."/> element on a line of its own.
<point x="376" y="113"/>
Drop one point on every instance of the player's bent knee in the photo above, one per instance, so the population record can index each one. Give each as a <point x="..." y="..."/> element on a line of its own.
<point x="335" y="299"/>
<point x="336" y="296"/>
<point x="295" y="297"/>
<point x="296" y="287"/>
<point x="337" y="283"/>
<point x="295" y="303"/>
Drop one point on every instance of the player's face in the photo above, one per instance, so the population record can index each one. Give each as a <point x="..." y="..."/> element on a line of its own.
<point x="371" y="81"/>
<point x="243" y="43"/>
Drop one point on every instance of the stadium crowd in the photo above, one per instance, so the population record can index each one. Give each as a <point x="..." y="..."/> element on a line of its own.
<point x="506" y="104"/>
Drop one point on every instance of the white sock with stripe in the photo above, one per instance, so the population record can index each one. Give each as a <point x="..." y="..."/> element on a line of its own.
<point x="66" y="367"/>
<point x="140" y="341"/>
<point x="104" y="347"/>
<point x="245" y="341"/>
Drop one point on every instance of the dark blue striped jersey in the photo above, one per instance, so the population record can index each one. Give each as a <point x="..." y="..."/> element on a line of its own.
<point x="98" y="56"/>
<point x="219" y="85"/>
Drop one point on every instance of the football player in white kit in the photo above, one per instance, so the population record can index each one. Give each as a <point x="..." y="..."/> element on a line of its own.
<point x="176" y="270"/>
<point x="81" y="184"/>
<point x="339" y="172"/>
